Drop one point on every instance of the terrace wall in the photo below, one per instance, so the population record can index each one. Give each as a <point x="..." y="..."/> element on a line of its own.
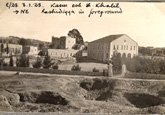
<point x="145" y="76"/>
<point x="51" y="71"/>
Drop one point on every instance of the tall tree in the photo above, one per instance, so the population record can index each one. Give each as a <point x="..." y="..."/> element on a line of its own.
<point x="7" y="49"/>
<point x="48" y="62"/>
<point x="116" y="61"/>
<point x="76" y="34"/>
<point x="2" y="46"/>
<point x="11" y="60"/>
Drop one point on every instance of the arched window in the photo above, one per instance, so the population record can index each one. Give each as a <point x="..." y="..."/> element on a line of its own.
<point x="129" y="55"/>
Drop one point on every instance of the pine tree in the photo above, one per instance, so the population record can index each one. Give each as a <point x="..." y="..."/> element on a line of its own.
<point x="47" y="63"/>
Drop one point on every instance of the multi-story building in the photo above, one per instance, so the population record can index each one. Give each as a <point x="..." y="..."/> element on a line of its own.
<point x="15" y="49"/>
<point x="30" y="50"/>
<point x="103" y="49"/>
<point x="64" y="42"/>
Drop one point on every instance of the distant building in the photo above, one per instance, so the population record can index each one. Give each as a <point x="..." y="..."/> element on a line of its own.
<point x="64" y="42"/>
<point x="15" y="49"/>
<point x="30" y="50"/>
<point x="103" y="49"/>
<point x="62" y="53"/>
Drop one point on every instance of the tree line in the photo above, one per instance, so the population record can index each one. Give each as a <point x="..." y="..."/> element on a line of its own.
<point x="138" y="64"/>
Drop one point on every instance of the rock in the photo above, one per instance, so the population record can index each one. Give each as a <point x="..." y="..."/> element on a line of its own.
<point x="4" y="104"/>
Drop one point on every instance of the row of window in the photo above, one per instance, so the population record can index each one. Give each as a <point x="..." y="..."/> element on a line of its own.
<point x="107" y="55"/>
<point x="116" y="47"/>
<point x="124" y="47"/>
<point x="14" y="49"/>
<point x="61" y="54"/>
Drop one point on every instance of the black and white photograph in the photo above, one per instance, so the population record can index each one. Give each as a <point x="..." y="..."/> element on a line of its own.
<point x="82" y="57"/>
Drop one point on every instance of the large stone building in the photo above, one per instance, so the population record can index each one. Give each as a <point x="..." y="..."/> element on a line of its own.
<point x="30" y="50"/>
<point x="64" y="42"/>
<point x="103" y="49"/>
<point x="15" y="49"/>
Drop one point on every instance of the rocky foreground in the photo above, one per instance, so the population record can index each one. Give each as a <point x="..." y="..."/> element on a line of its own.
<point x="80" y="94"/>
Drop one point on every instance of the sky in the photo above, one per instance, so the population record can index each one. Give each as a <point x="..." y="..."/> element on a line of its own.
<point x="143" y="22"/>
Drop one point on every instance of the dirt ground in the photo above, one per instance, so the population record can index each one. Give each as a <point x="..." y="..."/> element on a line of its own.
<point x="84" y="67"/>
<point x="80" y="94"/>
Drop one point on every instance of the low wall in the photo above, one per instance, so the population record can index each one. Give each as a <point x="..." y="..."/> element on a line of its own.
<point x="51" y="71"/>
<point x="145" y="76"/>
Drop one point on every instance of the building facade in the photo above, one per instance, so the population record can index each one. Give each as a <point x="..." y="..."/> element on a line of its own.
<point x="64" y="42"/>
<point x="104" y="48"/>
<point x="62" y="53"/>
<point x="30" y="50"/>
<point x="15" y="49"/>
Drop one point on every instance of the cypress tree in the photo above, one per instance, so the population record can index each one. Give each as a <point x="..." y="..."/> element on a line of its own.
<point x="11" y="60"/>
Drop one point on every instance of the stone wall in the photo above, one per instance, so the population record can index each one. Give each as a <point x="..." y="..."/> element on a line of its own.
<point x="51" y="71"/>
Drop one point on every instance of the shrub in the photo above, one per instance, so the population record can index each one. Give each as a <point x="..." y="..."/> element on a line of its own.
<point x="48" y="62"/>
<point x="76" y="68"/>
<point x="105" y="72"/>
<point x="142" y="65"/>
<point x="117" y="63"/>
<point x="23" y="61"/>
<point x="55" y="66"/>
<point x="38" y="63"/>
<point x="162" y="67"/>
<point x="95" y="70"/>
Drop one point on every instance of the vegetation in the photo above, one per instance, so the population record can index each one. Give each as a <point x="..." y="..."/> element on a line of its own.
<point x="7" y="49"/>
<point x="76" y="68"/>
<point x="117" y="62"/>
<point x="77" y="35"/>
<point x="79" y="39"/>
<point x="55" y="66"/>
<point x="48" y="62"/>
<point x="2" y="47"/>
<point x="24" y="41"/>
<point x="23" y="61"/>
<point x="11" y="61"/>
<point x="95" y="70"/>
<point x="150" y="51"/>
<point x="38" y="63"/>
<point x="139" y="65"/>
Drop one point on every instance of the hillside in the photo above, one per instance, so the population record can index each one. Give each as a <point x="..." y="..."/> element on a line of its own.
<point x="23" y="41"/>
<point x="80" y="94"/>
<point x="149" y="51"/>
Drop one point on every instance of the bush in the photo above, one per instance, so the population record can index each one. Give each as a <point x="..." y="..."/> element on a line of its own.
<point x="117" y="63"/>
<point x="142" y="65"/>
<point x="48" y="62"/>
<point x="162" y="66"/>
<point x="76" y="68"/>
<point x="105" y="72"/>
<point x="38" y="63"/>
<point x="55" y="66"/>
<point x="23" y="61"/>
<point x="95" y="70"/>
